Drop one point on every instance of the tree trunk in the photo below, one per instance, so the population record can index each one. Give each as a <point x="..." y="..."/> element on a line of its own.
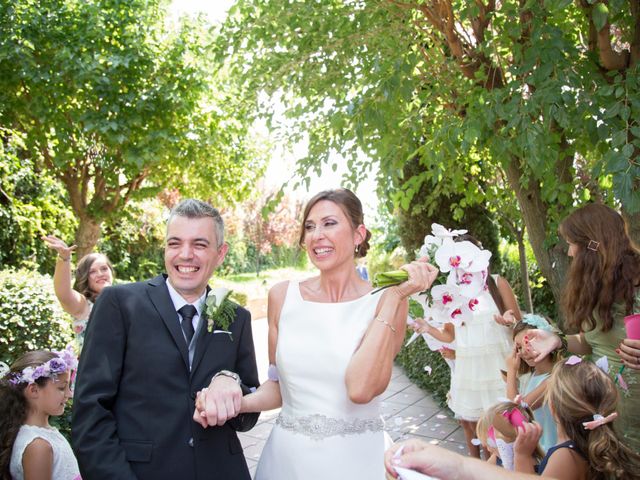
<point x="553" y="262"/>
<point x="87" y="236"/>
<point x="524" y="273"/>
<point x="633" y="225"/>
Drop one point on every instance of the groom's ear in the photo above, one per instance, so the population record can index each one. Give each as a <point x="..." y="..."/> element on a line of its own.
<point x="222" y="252"/>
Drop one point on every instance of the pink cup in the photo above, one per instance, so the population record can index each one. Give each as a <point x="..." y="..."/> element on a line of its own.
<point x="632" y="324"/>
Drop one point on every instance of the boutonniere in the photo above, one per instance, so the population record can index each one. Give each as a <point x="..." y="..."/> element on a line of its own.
<point x="219" y="310"/>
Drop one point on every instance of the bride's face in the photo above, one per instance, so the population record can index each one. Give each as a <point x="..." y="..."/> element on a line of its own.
<point x="329" y="237"/>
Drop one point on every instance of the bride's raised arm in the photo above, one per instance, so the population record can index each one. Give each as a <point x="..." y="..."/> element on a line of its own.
<point x="369" y="370"/>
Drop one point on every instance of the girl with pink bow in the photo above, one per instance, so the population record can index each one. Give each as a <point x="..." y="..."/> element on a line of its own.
<point x="583" y="400"/>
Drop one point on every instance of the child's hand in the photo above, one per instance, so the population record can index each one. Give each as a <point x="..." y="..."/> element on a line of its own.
<point x="513" y="360"/>
<point x="419" y="325"/>
<point x="448" y="353"/>
<point x="541" y="343"/>
<point x="507" y="319"/>
<point x="527" y="440"/>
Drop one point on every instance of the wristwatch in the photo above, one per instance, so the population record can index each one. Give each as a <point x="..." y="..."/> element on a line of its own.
<point x="227" y="373"/>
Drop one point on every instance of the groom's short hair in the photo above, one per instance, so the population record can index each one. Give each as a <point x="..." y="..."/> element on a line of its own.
<point x="192" y="208"/>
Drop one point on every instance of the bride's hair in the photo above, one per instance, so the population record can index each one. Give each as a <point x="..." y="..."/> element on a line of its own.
<point x="350" y="205"/>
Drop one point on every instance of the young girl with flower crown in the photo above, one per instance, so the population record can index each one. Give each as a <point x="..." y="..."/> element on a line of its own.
<point x="527" y="379"/>
<point x="36" y="387"/>
<point x="583" y="400"/>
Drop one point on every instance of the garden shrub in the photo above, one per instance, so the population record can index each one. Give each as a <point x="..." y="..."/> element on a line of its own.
<point x="30" y="316"/>
<point x="31" y="319"/>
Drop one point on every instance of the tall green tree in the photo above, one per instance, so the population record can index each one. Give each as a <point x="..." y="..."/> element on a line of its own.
<point x="116" y="104"/>
<point x="480" y="92"/>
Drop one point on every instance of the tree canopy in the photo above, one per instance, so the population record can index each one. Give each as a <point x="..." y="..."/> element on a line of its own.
<point x="533" y="101"/>
<point x="116" y="104"/>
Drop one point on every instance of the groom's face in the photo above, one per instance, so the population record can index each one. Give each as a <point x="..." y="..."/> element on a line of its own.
<point x="191" y="255"/>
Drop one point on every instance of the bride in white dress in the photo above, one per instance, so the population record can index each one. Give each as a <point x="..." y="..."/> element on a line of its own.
<point x="332" y="344"/>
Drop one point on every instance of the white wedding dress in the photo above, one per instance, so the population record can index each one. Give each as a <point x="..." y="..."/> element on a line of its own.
<point x="320" y="434"/>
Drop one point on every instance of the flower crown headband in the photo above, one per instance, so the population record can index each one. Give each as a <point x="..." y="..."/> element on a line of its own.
<point x="65" y="360"/>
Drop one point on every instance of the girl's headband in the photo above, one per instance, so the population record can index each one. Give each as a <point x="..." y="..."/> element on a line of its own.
<point x="537" y="321"/>
<point x="65" y="360"/>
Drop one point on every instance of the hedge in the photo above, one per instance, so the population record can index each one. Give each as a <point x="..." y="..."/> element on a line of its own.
<point x="31" y="319"/>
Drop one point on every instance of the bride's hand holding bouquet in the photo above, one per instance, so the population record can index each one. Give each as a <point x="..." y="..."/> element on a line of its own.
<point x="463" y="274"/>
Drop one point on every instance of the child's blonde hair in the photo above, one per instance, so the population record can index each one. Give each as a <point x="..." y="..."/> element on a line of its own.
<point x="482" y="426"/>
<point x="575" y="394"/>
<point x="496" y="414"/>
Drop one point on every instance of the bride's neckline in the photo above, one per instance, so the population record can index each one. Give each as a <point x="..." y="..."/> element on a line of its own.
<point x="344" y="302"/>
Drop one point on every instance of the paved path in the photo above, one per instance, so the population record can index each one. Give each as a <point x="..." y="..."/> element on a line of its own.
<point x="408" y="411"/>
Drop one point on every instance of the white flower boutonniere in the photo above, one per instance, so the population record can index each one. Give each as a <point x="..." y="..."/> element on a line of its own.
<point x="219" y="310"/>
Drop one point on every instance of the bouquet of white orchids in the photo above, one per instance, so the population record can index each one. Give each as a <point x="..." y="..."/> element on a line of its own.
<point x="463" y="276"/>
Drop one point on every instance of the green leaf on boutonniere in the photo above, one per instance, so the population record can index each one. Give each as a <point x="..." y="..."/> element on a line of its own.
<point x="219" y="311"/>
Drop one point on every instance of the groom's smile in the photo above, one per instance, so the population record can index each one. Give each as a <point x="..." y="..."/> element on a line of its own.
<point x="191" y="255"/>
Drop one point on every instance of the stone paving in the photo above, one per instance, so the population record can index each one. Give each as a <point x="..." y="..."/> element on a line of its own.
<point x="408" y="411"/>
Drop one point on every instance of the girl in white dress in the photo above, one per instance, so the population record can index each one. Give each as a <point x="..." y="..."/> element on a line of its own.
<point x="333" y="343"/>
<point x="481" y="347"/>
<point x="36" y="387"/>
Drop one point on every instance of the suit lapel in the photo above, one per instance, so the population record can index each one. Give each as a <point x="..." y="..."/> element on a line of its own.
<point x="160" y="298"/>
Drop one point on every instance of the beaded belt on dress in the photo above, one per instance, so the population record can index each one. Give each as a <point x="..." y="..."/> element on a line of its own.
<point x="320" y="426"/>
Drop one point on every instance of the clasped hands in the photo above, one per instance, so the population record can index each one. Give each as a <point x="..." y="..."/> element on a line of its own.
<point x="218" y="403"/>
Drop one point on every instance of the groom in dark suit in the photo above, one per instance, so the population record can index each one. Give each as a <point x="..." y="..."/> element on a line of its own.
<point x="147" y="352"/>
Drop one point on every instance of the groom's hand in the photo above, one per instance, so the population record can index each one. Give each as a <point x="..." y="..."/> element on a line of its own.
<point x="220" y="401"/>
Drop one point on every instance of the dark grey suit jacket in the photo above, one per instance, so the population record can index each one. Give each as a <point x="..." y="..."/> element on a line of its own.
<point x="134" y="394"/>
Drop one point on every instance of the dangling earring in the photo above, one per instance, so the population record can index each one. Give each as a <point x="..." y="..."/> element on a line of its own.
<point x="356" y="249"/>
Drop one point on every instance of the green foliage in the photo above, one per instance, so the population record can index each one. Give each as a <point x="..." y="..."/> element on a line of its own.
<point x="134" y="241"/>
<point x="30" y="315"/>
<point x="32" y="204"/>
<point x="415" y="358"/>
<point x="498" y="105"/>
<point x="541" y="295"/>
<point x="117" y="103"/>
<point x="31" y="319"/>
<point x="239" y="297"/>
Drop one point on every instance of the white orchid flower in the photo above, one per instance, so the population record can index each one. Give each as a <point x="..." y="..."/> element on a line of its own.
<point x="462" y="255"/>
<point x="460" y="314"/>
<point x="444" y="297"/>
<point x="470" y="284"/>
<point x="444" y="233"/>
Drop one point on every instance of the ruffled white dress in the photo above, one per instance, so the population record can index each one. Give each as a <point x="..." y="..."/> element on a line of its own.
<point x="320" y="434"/>
<point x="65" y="465"/>
<point x="481" y="348"/>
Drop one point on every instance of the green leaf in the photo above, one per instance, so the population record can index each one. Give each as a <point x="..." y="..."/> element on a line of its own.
<point x="599" y="15"/>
